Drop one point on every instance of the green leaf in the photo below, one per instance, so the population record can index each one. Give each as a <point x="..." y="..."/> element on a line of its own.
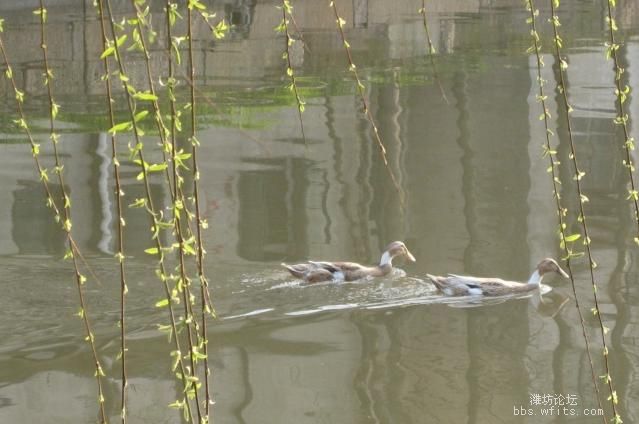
<point x="121" y="127"/>
<point x="138" y="203"/>
<point x="140" y="115"/>
<point x="145" y="96"/>
<point x="151" y="251"/>
<point x="196" y="4"/>
<point x="220" y="29"/>
<point x="162" y="303"/>
<point x="107" y="52"/>
<point x="573" y="237"/>
<point x="157" y="167"/>
<point x="120" y="40"/>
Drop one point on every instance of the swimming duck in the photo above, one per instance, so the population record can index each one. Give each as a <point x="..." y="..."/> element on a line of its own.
<point x="459" y="285"/>
<point x="315" y="272"/>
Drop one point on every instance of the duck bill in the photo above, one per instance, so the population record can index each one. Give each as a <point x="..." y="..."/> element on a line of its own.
<point x="562" y="273"/>
<point x="410" y="256"/>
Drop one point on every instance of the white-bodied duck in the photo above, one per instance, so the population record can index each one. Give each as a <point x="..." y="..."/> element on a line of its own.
<point x="460" y="285"/>
<point x="315" y="272"/>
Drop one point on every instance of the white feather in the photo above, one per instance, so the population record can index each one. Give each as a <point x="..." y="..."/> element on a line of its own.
<point x="474" y="291"/>
<point x="387" y="259"/>
<point x="535" y="278"/>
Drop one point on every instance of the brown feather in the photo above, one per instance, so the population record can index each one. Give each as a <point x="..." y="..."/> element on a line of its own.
<point x="314" y="271"/>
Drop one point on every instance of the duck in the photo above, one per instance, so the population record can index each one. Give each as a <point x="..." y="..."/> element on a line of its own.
<point x="315" y="271"/>
<point x="460" y="285"/>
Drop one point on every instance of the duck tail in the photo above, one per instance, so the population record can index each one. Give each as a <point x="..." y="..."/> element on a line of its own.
<point x="295" y="272"/>
<point x="438" y="281"/>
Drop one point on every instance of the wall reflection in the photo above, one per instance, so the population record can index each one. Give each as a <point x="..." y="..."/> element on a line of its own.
<point x="272" y="222"/>
<point x="34" y="231"/>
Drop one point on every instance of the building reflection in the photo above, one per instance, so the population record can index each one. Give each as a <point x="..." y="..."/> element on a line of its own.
<point x="34" y="231"/>
<point x="239" y="14"/>
<point x="270" y="225"/>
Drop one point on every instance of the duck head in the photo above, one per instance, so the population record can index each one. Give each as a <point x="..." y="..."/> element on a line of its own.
<point x="393" y="250"/>
<point x="550" y="265"/>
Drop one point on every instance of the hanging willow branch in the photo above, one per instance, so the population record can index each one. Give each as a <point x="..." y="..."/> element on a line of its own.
<point x="120" y="242"/>
<point x="622" y="119"/>
<point x="431" y="51"/>
<point x="360" y="90"/>
<point x="183" y="233"/>
<point x="63" y="218"/>
<point x="283" y="28"/>
<point x="565" y="241"/>
<point x="177" y="197"/>
<point x="578" y="175"/>
<point x="140" y="44"/>
<point x="140" y="23"/>
<point x="189" y="381"/>
<point x="206" y="308"/>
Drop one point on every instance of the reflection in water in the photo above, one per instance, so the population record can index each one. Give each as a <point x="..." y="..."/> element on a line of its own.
<point x="239" y="14"/>
<point x="620" y="291"/>
<point x="375" y="351"/>
<point x="34" y="231"/>
<point x="495" y="211"/>
<point x="272" y="221"/>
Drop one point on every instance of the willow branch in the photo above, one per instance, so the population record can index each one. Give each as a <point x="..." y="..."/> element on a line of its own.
<point x="578" y="175"/>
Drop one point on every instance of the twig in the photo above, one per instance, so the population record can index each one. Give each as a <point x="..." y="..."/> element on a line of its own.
<point x="578" y="175"/>
<point x="287" y="10"/>
<point x="622" y="118"/>
<point x="63" y="218"/>
<point x="157" y="224"/>
<point x="205" y="307"/>
<point x="431" y="52"/>
<point x="552" y="169"/>
<point x="360" y="89"/>
<point x="120" y="243"/>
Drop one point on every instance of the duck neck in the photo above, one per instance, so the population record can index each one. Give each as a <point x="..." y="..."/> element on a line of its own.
<point x="535" y="278"/>
<point x="386" y="263"/>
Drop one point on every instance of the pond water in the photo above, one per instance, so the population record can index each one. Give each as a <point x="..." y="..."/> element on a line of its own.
<point x="477" y="200"/>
